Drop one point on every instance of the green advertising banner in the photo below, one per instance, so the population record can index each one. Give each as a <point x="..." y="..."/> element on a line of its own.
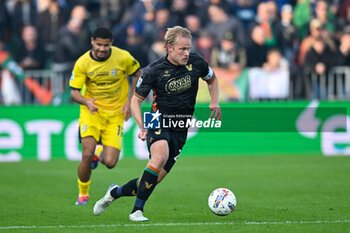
<point x="270" y="128"/>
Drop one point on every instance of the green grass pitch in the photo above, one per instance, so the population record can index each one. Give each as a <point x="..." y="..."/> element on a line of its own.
<point x="274" y="194"/>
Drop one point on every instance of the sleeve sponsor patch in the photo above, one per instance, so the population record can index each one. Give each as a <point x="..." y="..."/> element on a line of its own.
<point x="209" y="75"/>
<point x="139" y="82"/>
<point x="72" y="76"/>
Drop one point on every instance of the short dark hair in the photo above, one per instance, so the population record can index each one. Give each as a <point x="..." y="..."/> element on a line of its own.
<point x="103" y="33"/>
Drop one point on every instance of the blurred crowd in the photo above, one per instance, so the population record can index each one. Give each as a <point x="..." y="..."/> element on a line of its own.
<point x="294" y="36"/>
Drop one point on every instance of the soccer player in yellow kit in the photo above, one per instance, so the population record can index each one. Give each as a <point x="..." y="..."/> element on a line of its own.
<point x="105" y="103"/>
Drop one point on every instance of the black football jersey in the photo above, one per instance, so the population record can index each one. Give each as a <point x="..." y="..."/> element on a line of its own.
<point x="174" y="87"/>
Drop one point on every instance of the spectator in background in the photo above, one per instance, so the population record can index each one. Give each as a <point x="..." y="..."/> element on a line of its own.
<point x="245" y="11"/>
<point x="220" y="23"/>
<point x="80" y="12"/>
<point x="30" y="54"/>
<point x="156" y="29"/>
<point x="49" y="23"/>
<point x="3" y="20"/>
<point x="179" y="9"/>
<point x="256" y="48"/>
<point x="322" y="14"/>
<point x="344" y="14"/>
<point x="272" y="80"/>
<point x="319" y="58"/>
<point x="69" y="45"/>
<point x="229" y="54"/>
<point x="272" y="27"/>
<point x="273" y="11"/>
<point x="112" y="11"/>
<point x="291" y="49"/>
<point x="275" y="60"/>
<point x="23" y="13"/>
<point x="289" y="32"/>
<point x="140" y="12"/>
<point x="343" y="59"/>
<point x="193" y="24"/>
<point x="316" y="32"/>
<point x="73" y="40"/>
<point x="204" y="45"/>
<point x="135" y="44"/>
<point x="204" y="8"/>
<point x="343" y="53"/>
<point x="301" y="17"/>
<point x="156" y="50"/>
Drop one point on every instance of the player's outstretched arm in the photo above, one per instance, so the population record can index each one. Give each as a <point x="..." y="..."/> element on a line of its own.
<point x="213" y="85"/>
<point x="89" y="103"/>
<point x="137" y="114"/>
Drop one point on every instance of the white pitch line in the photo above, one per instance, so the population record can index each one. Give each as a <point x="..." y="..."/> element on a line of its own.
<point x="175" y="224"/>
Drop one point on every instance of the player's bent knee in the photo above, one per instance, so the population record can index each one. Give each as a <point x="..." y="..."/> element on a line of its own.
<point x="110" y="163"/>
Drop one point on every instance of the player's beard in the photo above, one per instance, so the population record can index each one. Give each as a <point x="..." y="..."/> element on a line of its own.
<point x="183" y="61"/>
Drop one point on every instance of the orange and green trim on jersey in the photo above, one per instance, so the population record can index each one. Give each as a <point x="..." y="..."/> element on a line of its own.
<point x="138" y="96"/>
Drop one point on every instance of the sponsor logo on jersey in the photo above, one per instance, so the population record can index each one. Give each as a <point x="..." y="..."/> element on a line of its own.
<point x="166" y="74"/>
<point x="105" y="73"/>
<point x="177" y="85"/>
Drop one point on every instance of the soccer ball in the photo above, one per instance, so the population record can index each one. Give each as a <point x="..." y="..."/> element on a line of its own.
<point x="222" y="201"/>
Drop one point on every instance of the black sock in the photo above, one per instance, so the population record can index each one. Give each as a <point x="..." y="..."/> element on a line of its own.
<point x="126" y="190"/>
<point x="147" y="184"/>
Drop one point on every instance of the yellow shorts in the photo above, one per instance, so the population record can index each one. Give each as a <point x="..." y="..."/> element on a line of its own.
<point x="106" y="128"/>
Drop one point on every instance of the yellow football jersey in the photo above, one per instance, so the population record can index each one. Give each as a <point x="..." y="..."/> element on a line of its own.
<point x="105" y="80"/>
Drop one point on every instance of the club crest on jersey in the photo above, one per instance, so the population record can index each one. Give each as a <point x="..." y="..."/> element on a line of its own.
<point x="114" y="72"/>
<point x="189" y="67"/>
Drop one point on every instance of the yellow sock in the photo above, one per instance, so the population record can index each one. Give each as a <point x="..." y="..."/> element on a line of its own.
<point x="84" y="187"/>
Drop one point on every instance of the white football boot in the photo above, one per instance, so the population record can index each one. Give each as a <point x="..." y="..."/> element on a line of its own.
<point x="137" y="216"/>
<point x="102" y="204"/>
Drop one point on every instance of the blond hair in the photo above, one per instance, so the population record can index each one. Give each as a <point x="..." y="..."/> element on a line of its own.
<point x="171" y="34"/>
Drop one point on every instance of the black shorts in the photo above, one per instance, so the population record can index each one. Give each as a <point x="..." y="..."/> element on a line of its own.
<point x="176" y="140"/>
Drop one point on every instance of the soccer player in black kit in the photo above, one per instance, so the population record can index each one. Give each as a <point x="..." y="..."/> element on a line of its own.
<point x="174" y="81"/>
